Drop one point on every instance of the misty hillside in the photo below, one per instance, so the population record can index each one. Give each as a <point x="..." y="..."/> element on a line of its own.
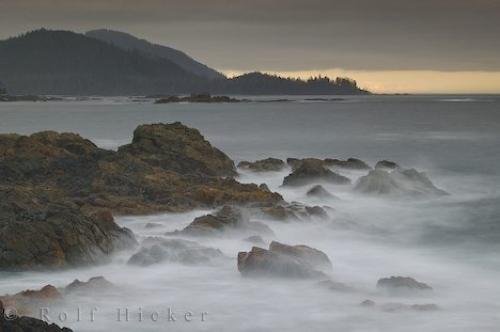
<point x="128" y="42"/>
<point x="63" y="62"/>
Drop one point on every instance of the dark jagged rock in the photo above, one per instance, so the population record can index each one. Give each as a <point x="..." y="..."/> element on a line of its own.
<point x="157" y="250"/>
<point x="10" y="322"/>
<point x="387" y="164"/>
<point x="264" y="165"/>
<point x="178" y="148"/>
<point x="397" y="182"/>
<point x="293" y="212"/>
<point x="198" y="98"/>
<point x="282" y="260"/>
<point x="313" y="171"/>
<point x="93" y="285"/>
<point x="402" y="283"/>
<point x="351" y="163"/>
<point x="319" y="192"/>
<point x="227" y="219"/>
<point x="38" y="230"/>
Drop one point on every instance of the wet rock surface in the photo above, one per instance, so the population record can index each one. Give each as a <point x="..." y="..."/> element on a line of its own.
<point x="157" y="250"/>
<point x="397" y="182"/>
<point x="309" y="171"/>
<point x="282" y="261"/>
<point x="264" y="165"/>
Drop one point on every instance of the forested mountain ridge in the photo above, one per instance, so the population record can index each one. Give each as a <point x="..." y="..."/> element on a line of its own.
<point x="131" y="43"/>
<point x="48" y="62"/>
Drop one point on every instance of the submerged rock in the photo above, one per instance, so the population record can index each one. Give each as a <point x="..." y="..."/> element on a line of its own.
<point x="157" y="250"/>
<point x="398" y="307"/>
<point x="319" y="191"/>
<point x="227" y="219"/>
<point x="264" y="165"/>
<point x="397" y="182"/>
<point x="313" y="171"/>
<point x="335" y="286"/>
<point x="402" y="283"/>
<point x="387" y="165"/>
<point x="351" y="163"/>
<point x="283" y="261"/>
<point x="255" y="239"/>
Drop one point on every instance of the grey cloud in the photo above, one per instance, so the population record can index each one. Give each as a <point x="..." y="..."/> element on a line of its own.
<point x="290" y="34"/>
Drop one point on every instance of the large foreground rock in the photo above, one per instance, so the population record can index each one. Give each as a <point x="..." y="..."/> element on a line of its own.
<point x="397" y="182"/>
<point x="38" y="231"/>
<point x="313" y="171"/>
<point x="54" y="186"/>
<point x="156" y="250"/>
<point x="283" y="261"/>
<point x="264" y="165"/>
<point x="226" y="220"/>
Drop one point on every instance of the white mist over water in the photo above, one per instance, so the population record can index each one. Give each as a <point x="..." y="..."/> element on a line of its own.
<point x="451" y="243"/>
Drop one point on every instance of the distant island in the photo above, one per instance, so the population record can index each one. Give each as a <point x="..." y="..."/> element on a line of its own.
<point x="107" y="63"/>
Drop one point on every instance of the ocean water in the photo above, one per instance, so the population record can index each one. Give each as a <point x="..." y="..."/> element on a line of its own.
<point x="451" y="243"/>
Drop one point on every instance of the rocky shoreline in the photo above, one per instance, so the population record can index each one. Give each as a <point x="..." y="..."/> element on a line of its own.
<point x="59" y="192"/>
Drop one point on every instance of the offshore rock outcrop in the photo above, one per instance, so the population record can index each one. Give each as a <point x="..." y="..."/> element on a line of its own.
<point x="397" y="182"/>
<point x="310" y="170"/>
<point x="402" y="283"/>
<point x="350" y="163"/>
<point x="55" y="188"/>
<point x="264" y="165"/>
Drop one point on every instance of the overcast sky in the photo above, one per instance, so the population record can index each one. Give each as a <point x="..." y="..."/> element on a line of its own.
<point x="290" y="35"/>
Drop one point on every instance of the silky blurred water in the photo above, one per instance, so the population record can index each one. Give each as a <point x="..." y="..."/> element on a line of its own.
<point x="452" y="243"/>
